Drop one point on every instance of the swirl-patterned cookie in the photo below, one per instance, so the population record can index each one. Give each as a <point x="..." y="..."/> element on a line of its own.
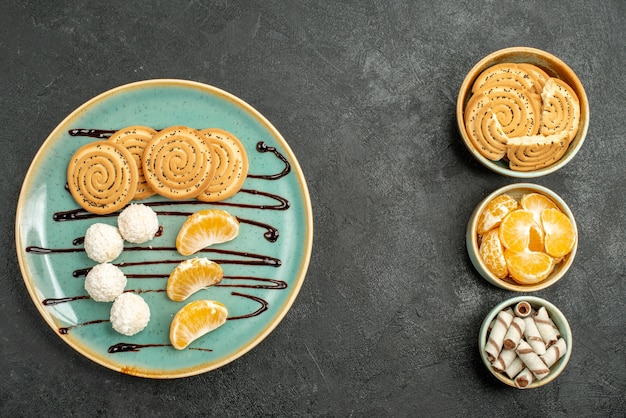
<point x="516" y="112"/>
<point x="523" y="76"/>
<point x="561" y="109"/>
<point x="519" y="114"/>
<point x="135" y="139"/>
<point x="177" y="163"/>
<point x="536" y="152"/>
<point x="102" y="177"/>
<point x="231" y="165"/>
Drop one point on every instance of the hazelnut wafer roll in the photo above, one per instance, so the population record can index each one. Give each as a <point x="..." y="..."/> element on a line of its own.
<point x="515" y="367"/>
<point x="554" y="353"/>
<point x="545" y="327"/>
<point x="523" y="309"/>
<point x="503" y="361"/>
<point x="496" y="336"/>
<point x="532" y="360"/>
<point x="524" y="378"/>
<point x="514" y="334"/>
<point x="533" y="338"/>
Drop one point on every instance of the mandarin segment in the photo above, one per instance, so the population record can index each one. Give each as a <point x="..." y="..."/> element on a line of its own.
<point x="536" y="238"/>
<point x="531" y="239"/>
<point x="536" y="203"/>
<point x="528" y="267"/>
<point x="492" y="254"/>
<point x="560" y="233"/>
<point x="204" y="228"/>
<point x="515" y="229"/>
<point x="194" y="320"/>
<point x="494" y="212"/>
<point x="192" y="275"/>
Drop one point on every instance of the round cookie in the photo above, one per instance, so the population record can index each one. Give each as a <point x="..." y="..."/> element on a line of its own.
<point x="177" y="163"/>
<point x="231" y="165"/>
<point x="135" y="139"/>
<point x="102" y="177"/>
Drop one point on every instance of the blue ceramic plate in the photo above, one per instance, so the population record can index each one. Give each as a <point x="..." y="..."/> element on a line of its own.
<point x="264" y="267"/>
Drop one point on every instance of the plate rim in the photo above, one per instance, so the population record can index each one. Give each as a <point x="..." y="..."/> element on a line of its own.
<point x="307" y="241"/>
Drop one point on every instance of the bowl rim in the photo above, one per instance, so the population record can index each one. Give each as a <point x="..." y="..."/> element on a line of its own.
<point x="471" y="241"/>
<point x="555" y="314"/>
<point x="573" y="80"/>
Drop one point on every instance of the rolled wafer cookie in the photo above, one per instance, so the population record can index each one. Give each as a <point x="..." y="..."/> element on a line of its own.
<point x="560" y="109"/>
<point x="514" y="334"/>
<point x="496" y="336"/>
<point x="523" y="309"/>
<point x="524" y="378"/>
<point x="533" y="338"/>
<point x="231" y="165"/>
<point x="503" y="361"/>
<point x="134" y="139"/>
<point x="544" y="326"/>
<point x="554" y="353"/>
<point x="177" y="163"/>
<point x="102" y="177"/>
<point x="532" y="361"/>
<point x="514" y="368"/>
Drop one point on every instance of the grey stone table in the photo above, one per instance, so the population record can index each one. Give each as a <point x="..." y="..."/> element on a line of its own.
<point x="364" y="92"/>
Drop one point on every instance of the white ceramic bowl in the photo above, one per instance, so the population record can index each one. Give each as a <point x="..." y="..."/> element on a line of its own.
<point x="557" y="317"/>
<point x="516" y="191"/>
<point x="554" y="67"/>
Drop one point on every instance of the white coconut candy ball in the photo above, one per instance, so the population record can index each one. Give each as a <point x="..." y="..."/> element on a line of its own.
<point x="129" y="314"/>
<point x="105" y="282"/>
<point x="138" y="223"/>
<point x="103" y="243"/>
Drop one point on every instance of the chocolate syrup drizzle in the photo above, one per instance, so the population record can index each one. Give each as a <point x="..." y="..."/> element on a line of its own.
<point x="245" y="258"/>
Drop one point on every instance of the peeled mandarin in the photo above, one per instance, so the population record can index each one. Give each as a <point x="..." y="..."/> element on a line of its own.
<point x="536" y="238"/>
<point x="560" y="233"/>
<point x="528" y="267"/>
<point x="494" y="212"/>
<point x="536" y="203"/>
<point x="194" y="320"/>
<point x="492" y="254"/>
<point x="515" y="229"/>
<point x="192" y="275"/>
<point x="204" y="228"/>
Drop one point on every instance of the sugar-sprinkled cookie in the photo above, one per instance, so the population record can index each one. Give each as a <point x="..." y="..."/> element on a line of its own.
<point x="102" y="177"/>
<point x="134" y="139"/>
<point x="177" y="163"/>
<point x="231" y="165"/>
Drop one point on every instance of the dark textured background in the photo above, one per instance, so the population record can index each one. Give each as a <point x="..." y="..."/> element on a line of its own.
<point x="364" y="92"/>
